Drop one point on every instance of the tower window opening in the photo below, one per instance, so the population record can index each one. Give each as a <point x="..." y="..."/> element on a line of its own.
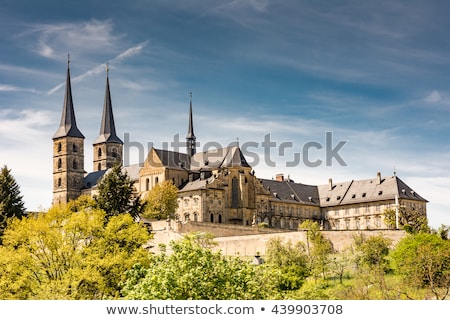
<point x="74" y="148"/>
<point x="59" y="147"/>
<point x="99" y="152"/>
<point x="59" y="164"/>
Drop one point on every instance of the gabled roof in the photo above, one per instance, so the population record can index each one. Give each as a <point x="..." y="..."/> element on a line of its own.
<point x="220" y="158"/>
<point x="108" y="128"/>
<point x="288" y="191"/>
<point x="92" y="178"/>
<point x="368" y="190"/>
<point x="68" y="125"/>
<point x="173" y="159"/>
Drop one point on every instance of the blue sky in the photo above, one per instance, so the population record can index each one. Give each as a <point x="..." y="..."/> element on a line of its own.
<point x="374" y="74"/>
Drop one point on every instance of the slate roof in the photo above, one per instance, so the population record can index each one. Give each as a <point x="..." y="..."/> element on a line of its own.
<point x="108" y="128"/>
<point x="91" y="179"/>
<point x="289" y="191"/>
<point x="220" y="158"/>
<point x="368" y="190"/>
<point x="173" y="159"/>
<point x="68" y="125"/>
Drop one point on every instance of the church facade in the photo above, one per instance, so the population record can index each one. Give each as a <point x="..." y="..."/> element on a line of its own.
<point x="219" y="186"/>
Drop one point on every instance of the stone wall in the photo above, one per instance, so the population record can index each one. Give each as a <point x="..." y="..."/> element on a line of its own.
<point x="251" y="241"/>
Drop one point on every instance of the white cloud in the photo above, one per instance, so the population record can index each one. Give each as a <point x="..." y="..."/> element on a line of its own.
<point x="433" y="97"/>
<point x="10" y="88"/>
<point x="53" y="39"/>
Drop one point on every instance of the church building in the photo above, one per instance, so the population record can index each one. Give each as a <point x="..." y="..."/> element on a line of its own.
<point x="219" y="186"/>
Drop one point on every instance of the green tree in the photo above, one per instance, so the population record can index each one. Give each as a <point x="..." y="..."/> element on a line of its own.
<point x="287" y="262"/>
<point x="161" y="201"/>
<point x="320" y="248"/>
<point x="372" y="264"/>
<point x="423" y="261"/>
<point x="193" y="271"/>
<point x="11" y="203"/>
<point x="67" y="254"/>
<point x="116" y="194"/>
<point x="372" y="251"/>
<point x="409" y="219"/>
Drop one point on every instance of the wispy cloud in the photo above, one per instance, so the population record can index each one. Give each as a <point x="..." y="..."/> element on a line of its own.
<point x="74" y="37"/>
<point x="10" y="88"/>
<point x="101" y="67"/>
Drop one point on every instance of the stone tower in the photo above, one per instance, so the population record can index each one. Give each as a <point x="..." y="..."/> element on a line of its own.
<point x="190" y="138"/>
<point x="68" y="152"/>
<point x="108" y="148"/>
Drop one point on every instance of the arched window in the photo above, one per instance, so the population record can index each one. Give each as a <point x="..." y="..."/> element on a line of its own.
<point x="75" y="164"/>
<point x="114" y="152"/>
<point x="59" y="164"/>
<point x="74" y="147"/>
<point x="156" y="180"/>
<point x="234" y="194"/>
<point x="211" y="218"/>
<point x="147" y="184"/>
<point x="59" y="182"/>
<point x="59" y="147"/>
<point x="99" y="167"/>
<point x="220" y="218"/>
<point x="99" y="152"/>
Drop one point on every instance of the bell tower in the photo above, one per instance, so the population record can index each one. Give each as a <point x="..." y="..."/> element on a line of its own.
<point x="68" y="152"/>
<point x="190" y="137"/>
<point x="108" y="148"/>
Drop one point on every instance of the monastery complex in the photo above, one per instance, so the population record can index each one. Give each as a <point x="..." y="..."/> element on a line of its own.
<point x="219" y="186"/>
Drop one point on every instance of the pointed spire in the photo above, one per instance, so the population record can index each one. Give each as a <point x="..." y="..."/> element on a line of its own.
<point x="68" y="126"/>
<point x="108" y="128"/>
<point x="190" y="138"/>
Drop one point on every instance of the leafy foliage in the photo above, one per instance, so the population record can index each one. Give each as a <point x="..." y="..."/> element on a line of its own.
<point x="319" y="248"/>
<point x="289" y="262"/>
<point x="193" y="271"/>
<point x="116" y="194"/>
<point x="423" y="260"/>
<point x="11" y="203"/>
<point x="66" y="254"/>
<point x="411" y="220"/>
<point x="161" y="201"/>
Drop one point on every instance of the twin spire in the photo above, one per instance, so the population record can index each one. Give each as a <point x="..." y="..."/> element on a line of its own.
<point x="107" y="128"/>
<point x="68" y="126"/>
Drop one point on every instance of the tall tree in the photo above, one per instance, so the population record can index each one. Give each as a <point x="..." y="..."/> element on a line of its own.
<point x="11" y="203"/>
<point x="116" y="194"/>
<point x="319" y="248"/>
<point x="161" y="201"/>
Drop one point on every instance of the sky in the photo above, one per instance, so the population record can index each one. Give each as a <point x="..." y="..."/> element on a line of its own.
<point x="311" y="89"/>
